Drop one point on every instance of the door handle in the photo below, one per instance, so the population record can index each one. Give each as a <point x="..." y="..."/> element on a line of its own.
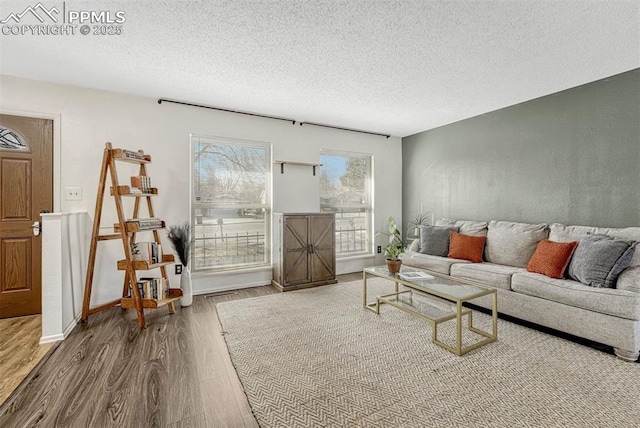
<point x="36" y="227"/>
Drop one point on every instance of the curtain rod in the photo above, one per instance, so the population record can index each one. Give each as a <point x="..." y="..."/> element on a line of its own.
<point x="345" y="129"/>
<point x="293" y="122"/>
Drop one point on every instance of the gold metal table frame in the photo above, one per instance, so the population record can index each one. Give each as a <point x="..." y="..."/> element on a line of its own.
<point x="439" y="296"/>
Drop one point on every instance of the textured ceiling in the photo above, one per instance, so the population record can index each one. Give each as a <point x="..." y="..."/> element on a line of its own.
<point x="396" y="67"/>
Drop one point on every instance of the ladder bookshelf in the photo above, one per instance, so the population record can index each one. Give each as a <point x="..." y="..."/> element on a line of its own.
<point x="126" y="230"/>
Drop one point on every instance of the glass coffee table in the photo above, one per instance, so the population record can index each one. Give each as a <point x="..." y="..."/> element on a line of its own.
<point x="441" y="299"/>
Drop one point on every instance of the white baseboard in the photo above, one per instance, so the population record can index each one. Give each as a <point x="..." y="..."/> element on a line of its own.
<point x="51" y="338"/>
<point x="232" y="287"/>
<point x="61" y="336"/>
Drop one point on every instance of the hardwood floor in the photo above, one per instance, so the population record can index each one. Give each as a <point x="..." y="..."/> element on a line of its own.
<point x="20" y="351"/>
<point x="175" y="373"/>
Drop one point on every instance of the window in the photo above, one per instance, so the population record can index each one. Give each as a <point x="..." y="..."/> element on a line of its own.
<point x="230" y="203"/>
<point x="11" y="140"/>
<point x="346" y="190"/>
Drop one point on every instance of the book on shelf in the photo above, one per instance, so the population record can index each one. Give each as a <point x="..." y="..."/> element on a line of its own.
<point x="130" y="154"/>
<point x="141" y="182"/>
<point x="415" y="275"/>
<point x="146" y="223"/>
<point x="152" y="288"/>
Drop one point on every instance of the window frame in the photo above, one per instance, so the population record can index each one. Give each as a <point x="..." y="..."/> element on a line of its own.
<point x="369" y="209"/>
<point x="267" y="206"/>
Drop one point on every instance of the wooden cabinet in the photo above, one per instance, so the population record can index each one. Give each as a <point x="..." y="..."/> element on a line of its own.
<point x="304" y="251"/>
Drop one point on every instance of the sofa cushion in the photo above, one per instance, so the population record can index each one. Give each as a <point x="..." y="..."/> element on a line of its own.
<point x="513" y="244"/>
<point x="498" y="276"/>
<point x="551" y="258"/>
<point x="466" y="247"/>
<point x="619" y="303"/>
<point x="599" y="259"/>
<point x="434" y="240"/>
<point x="561" y="233"/>
<point x="467" y="227"/>
<point x="425" y="261"/>
<point x="628" y="234"/>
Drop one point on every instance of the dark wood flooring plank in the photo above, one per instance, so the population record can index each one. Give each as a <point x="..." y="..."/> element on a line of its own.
<point x="51" y="393"/>
<point x="109" y="373"/>
<point x="184" y="393"/>
<point x="115" y="406"/>
<point x="199" y="421"/>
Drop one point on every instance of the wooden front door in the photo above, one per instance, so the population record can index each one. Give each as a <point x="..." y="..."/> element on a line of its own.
<point x="26" y="189"/>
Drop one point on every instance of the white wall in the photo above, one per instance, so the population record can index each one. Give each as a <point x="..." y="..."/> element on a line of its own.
<point x="90" y="118"/>
<point x="65" y="247"/>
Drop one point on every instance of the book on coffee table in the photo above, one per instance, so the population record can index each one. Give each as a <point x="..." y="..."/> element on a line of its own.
<point x="415" y="275"/>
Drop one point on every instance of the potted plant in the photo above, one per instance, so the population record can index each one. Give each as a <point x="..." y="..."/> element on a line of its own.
<point x="422" y="219"/>
<point x="394" y="248"/>
<point x="180" y="237"/>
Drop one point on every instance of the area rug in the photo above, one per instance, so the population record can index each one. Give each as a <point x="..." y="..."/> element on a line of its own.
<point x="317" y="358"/>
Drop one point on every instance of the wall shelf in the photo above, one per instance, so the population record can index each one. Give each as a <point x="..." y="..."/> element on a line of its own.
<point x="283" y="163"/>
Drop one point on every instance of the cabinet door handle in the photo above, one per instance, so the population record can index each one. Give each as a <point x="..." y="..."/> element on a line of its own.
<point x="311" y="249"/>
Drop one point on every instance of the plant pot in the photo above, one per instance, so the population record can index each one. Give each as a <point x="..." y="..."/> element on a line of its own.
<point x="185" y="285"/>
<point x="393" y="266"/>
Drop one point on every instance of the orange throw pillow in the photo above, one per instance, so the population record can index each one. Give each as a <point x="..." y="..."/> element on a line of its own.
<point x="551" y="258"/>
<point x="466" y="247"/>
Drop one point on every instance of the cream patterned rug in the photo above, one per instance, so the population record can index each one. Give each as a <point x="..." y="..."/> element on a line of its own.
<point x="316" y="358"/>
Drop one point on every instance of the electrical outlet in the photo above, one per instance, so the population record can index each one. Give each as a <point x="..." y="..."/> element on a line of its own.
<point x="73" y="193"/>
<point x="178" y="269"/>
<point x="379" y="249"/>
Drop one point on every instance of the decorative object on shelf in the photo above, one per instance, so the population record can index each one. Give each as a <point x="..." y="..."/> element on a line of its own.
<point x="422" y="219"/>
<point x="180" y="237"/>
<point x="135" y="252"/>
<point x="395" y="247"/>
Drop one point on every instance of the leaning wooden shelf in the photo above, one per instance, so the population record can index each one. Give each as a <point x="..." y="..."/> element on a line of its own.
<point x="126" y="230"/>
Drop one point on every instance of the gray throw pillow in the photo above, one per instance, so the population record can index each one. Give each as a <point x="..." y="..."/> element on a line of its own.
<point x="434" y="240"/>
<point x="599" y="259"/>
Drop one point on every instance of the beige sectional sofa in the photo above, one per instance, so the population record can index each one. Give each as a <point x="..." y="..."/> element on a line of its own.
<point x="610" y="316"/>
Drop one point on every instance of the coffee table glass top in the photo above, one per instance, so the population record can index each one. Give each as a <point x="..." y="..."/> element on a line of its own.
<point x="439" y="285"/>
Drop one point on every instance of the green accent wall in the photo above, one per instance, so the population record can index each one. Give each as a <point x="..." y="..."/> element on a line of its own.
<point x="572" y="157"/>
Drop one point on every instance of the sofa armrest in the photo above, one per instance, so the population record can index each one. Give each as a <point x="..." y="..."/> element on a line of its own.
<point x="415" y="245"/>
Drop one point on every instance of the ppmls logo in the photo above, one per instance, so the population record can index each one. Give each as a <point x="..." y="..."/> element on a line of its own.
<point x="41" y="20"/>
<point x="33" y="11"/>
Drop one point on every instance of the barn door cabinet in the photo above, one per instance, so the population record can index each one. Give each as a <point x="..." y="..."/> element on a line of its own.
<point x="304" y="250"/>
